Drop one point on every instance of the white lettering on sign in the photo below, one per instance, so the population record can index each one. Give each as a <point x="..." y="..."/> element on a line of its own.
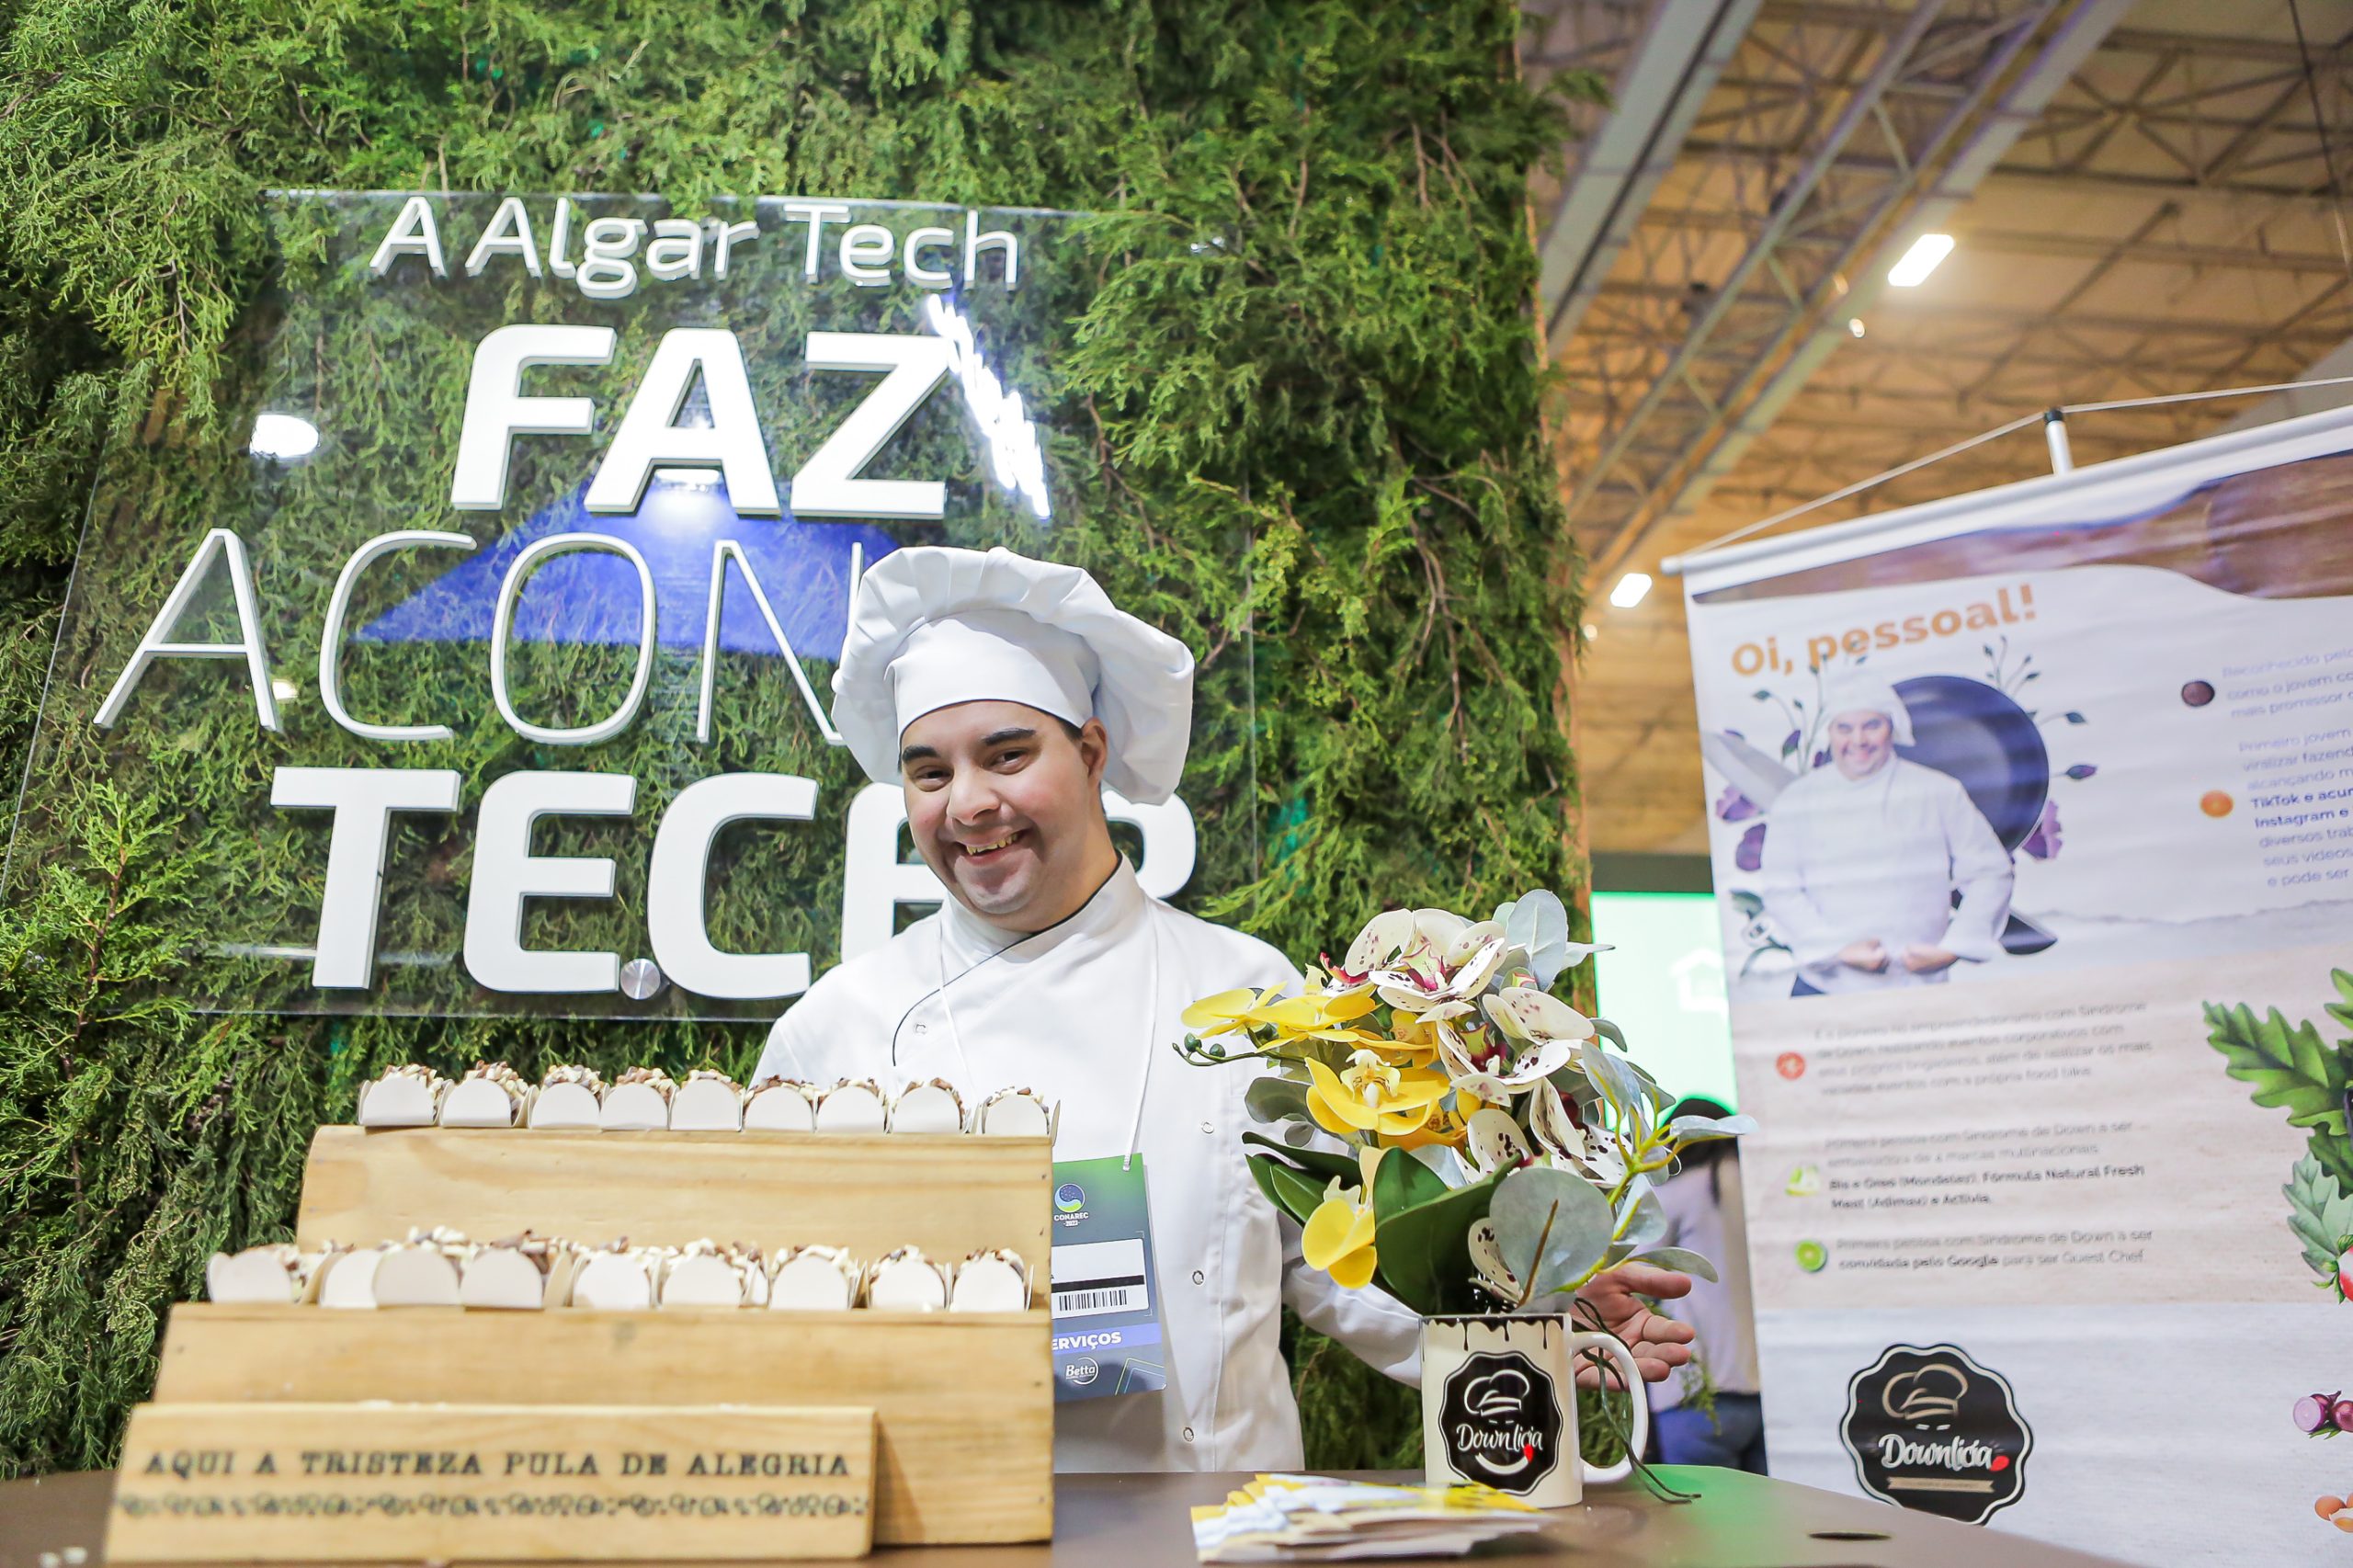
<point x="607" y="267"/>
<point x="827" y="486"/>
<point x="331" y="633"/>
<point x="650" y="437"/>
<point x="363" y="800"/>
<point x="675" y="898"/>
<point x="157" y="644"/>
<point x="507" y="873"/>
<point x="510" y="593"/>
<point x="497" y="412"/>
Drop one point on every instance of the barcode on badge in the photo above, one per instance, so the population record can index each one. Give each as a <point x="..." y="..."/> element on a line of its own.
<point x="1114" y="1299"/>
<point x="1100" y="1277"/>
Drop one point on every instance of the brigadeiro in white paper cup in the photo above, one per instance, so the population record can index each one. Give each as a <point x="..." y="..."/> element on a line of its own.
<point x="569" y="1098"/>
<point x="906" y="1282"/>
<point x="931" y="1106"/>
<point x="781" y="1105"/>
<point x="406" y="1095"/>
<point x="1015" y="1113"/>
<point x="814" y="1279"/>
<point x="492" y="1094"/>
<point x="618" y="1277"/>
<point x="709" y="1101"/>
<point x="854" y="1104"/>
<point x="991" y="1281"/>
<point x="639" y="1101"/>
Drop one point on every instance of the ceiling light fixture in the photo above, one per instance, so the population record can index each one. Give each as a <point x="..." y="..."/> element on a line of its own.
<point x="1919" y="261"/>
<point x="1630" y="589"/>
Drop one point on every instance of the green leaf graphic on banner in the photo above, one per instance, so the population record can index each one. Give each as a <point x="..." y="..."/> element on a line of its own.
<point x="2289" y="1065"/>
<point x="2320" y="1213"/>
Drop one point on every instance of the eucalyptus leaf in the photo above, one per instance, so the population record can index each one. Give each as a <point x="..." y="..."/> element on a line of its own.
<point x="1273" y="1099"/>
<point x="1693" y="1129"/>
<point x="1683" y="1260"/>
<point x="1557" y="1222"/>
<point x="1613" y="1076"/>
<point x="1640" y="1217"/>
<point x="1538" y="923"/>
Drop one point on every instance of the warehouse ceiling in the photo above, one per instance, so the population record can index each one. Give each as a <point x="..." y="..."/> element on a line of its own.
<point x="2139" y="190"/>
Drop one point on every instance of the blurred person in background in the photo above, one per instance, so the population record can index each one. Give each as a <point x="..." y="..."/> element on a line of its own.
<point x="1703" y="1214"/>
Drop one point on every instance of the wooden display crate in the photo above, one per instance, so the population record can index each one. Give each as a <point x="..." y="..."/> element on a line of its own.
<point x="962" y="1402"/>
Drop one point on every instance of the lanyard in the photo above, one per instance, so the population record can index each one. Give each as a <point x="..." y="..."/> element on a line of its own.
<point x="1151" y="1020"/>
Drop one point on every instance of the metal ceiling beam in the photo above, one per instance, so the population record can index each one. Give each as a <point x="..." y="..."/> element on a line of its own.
<point x="2019" y="242"/>
<point x="1939" y="316"/>
<point x="2124" y="40"/>
<point x="1778" y="373"/>
<point x="1684" y="47"/>
<point x="2178" y="188"/>
<point x="1789" y="200"/>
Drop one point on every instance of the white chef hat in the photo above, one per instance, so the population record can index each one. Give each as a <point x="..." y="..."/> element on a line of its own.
<point x="1860" y="691"/>
<point x="933" y="626"/>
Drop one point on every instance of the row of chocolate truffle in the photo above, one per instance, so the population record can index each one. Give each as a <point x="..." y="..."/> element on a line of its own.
<point x="441" y="1268"/>
<point x="646" y="1099"/>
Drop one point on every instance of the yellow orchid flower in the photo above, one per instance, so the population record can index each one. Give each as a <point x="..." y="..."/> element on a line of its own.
<point x="1338" y="1238"/>
<point x="1318" y="1018"/>
<point x="1446" y="1127"/>
<point x="1371" y="1096"/>
<point x="1228" y="1012"/>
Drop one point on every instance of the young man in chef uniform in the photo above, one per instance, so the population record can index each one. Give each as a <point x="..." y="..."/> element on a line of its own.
<point x="1863" y="857"/>
<point x="1003" y="694"/>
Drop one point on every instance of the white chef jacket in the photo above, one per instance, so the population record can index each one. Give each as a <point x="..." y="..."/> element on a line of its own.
<point x="1880" y="856"/>
<point x="1081" y="1012"/>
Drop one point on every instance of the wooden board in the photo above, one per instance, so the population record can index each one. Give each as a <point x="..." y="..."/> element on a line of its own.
<point x="963" y="1400"/>
<point x="492" y="1483"/>
<point x="945" y="1193"/>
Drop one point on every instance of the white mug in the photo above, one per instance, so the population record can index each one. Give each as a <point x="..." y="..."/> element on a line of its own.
<point x="1499" y="1405"/>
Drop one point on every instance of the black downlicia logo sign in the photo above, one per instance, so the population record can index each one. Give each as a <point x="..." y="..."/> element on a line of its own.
<point x="1502" y="1421"/>
<point x="1931" y="1429"/>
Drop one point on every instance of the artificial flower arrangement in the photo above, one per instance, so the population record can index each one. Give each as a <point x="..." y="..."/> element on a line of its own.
<point x="1499" y="1153"/>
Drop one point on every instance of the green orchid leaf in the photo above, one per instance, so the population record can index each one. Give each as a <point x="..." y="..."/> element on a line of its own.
<point x="1683" y="1260"/>
<point x="2288" y="1066"/>
<point x="1323" y="1164"/>
<point x="1289" y="1190"/>
<point x="1559" y="1223"/>
<point x="1270" y="1100"/>
<point x="1401" y="1182"/>
<point x="1425" y="1251"/>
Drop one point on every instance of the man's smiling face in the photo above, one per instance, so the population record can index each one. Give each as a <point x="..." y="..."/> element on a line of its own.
<point x="1006" y="807"/>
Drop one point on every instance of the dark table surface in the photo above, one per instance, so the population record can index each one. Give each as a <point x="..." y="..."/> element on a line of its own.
<point x="1140" y="1521"/>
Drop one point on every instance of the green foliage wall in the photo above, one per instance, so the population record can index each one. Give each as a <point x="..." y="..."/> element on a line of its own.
<point x="1347" y="373"/>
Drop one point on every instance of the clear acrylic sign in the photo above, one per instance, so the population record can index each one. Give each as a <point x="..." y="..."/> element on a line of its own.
<point x="491" y="674"/>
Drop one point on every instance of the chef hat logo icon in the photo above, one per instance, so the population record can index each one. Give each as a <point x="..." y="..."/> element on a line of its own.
<point x="1926" y="1395"/>
<point x="1498" y="1396"/>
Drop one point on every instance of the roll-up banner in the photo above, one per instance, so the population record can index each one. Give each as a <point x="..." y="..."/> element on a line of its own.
<point x="2031" y="814"/>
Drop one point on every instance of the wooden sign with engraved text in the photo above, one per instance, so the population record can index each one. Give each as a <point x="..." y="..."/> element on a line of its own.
<point x="493" y="1483"/>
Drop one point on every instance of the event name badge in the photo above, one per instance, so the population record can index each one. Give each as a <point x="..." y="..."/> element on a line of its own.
<point x="1106" y="1302"/>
